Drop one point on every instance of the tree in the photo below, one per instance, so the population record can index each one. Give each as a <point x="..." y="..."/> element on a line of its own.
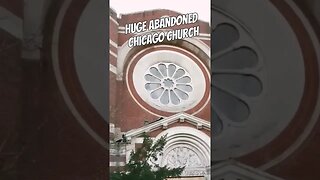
<point x="142" y="164"/>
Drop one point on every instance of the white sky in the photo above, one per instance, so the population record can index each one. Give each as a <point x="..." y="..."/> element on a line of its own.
<point x="202" y="7"/>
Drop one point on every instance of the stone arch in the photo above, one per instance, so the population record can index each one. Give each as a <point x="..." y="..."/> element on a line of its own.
<point x="186" y="147"/>
<point x="194" y="45"/>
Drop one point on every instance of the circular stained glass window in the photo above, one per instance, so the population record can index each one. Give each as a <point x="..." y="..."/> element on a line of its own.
<point x="168" y="83"/>
<point x="257" y="84"/>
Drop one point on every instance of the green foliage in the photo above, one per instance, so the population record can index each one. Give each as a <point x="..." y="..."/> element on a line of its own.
<point x="142" y="166"/>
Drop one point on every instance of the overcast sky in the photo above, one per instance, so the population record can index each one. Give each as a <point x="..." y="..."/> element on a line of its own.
<point x="202" y="7"/>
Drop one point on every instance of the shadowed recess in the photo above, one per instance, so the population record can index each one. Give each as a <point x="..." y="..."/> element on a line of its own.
<point x="232" y="107"/>
<point x="217" y="124"/>
<point x="239" y="84"/>
<point x="223" y="36"/>
<point x="241" y="58"/>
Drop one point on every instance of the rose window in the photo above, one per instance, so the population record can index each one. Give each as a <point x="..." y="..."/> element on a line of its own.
<point x="165" y="80"/>
<point x="258" y="76"/>
<point x="168" y="83"/>
<point x="235" y="78"/>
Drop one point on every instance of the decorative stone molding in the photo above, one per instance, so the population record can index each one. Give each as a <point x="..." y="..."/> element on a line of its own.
<point x="182" y="157"/>
<point x="124" y="50"/>
<point x="167" y="121"/>
<point x="186" y="147"/>
<point x="230" y="170"/>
